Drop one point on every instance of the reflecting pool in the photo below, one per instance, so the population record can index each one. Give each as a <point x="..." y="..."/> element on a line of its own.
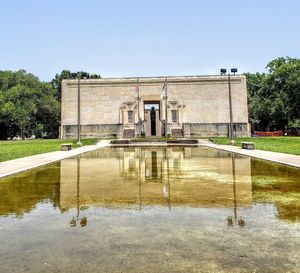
<point x="177" y="209"/>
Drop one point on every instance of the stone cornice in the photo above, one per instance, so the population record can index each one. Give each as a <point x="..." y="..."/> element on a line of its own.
<point x="156" y="80"/>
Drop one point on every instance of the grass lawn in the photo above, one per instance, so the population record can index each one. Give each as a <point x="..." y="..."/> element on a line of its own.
<point x="12" y="149"/>
<point x="289" y="145"/>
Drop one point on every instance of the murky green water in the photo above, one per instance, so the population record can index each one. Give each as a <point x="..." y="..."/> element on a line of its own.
<point x="152" y="210"/>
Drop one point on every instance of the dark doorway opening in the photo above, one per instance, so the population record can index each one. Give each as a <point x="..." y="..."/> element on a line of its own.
<point x="152" y="118"/>
<point x="153" y="121"/>
<point x="154" y="164"/>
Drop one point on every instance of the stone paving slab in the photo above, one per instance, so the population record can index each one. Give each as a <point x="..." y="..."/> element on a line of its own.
<point x="286" y="159"/>
<point x="14" y="166"/>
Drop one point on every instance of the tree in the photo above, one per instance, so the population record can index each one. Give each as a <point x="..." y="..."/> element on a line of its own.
<point x="284" y="80"/>
<point x="67" y="74"/>
<point x="27" y="106"/>
<point x="274" y="97"/>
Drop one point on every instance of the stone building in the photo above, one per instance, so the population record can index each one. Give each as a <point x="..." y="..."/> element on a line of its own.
<point x="195" y="106"/>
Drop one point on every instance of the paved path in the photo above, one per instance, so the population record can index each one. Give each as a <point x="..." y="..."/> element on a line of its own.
<point x="26" y="163"/>
<point x="287" y="159"/>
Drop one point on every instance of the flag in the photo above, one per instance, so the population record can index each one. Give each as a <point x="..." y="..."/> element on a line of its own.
<point x="164" y="89"/>
<point x="165" y="85"/>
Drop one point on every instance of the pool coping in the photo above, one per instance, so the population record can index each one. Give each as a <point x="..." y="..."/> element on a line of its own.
<point x="15" y="166"/>
<point x="281" y="158"/>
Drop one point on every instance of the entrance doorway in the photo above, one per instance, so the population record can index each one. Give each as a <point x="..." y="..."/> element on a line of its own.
<point x="152" y="118"/>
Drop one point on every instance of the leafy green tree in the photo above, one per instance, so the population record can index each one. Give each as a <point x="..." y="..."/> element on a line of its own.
<point x="67" y="74"/>
<point x="274" y="97"/>
<point x="28" y="106"/>
<point x="254" y="83"/>
<point x="284" y="80"/>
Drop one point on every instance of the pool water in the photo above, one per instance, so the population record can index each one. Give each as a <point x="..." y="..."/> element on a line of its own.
<point x="177" y="209"/>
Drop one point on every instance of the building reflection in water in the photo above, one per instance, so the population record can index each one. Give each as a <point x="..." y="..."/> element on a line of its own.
<point x="138" y="177"/>
<point x="135" y="178"/>
<point x="153" y="167"/>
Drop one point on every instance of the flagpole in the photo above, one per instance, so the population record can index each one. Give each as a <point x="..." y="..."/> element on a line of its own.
<point x="166" y="108"/>
<point x="138" y="105"/>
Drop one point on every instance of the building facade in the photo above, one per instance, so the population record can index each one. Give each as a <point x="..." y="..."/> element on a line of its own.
<point x="192" y="106"/>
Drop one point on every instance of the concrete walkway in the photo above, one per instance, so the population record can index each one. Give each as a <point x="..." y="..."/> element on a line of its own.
<point x="26" y="163"/>
<point x="286" y="159"/>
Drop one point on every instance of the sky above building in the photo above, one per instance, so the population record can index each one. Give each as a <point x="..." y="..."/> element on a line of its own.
<point x="146" y="38"/>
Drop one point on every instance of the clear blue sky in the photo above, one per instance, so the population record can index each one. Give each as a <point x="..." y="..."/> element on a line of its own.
<point x="146" y="37"/>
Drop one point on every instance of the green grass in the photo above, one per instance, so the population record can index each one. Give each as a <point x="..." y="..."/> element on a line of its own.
<point x="288" y="145"/>
<point x="16" y="149"/>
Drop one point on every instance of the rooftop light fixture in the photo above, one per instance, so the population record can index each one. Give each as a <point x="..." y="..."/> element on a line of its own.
<point x="223" y="71"/>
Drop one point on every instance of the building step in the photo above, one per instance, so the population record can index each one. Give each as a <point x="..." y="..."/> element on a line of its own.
<point x="177" y="133"/>
<point x="128" y="133"/>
